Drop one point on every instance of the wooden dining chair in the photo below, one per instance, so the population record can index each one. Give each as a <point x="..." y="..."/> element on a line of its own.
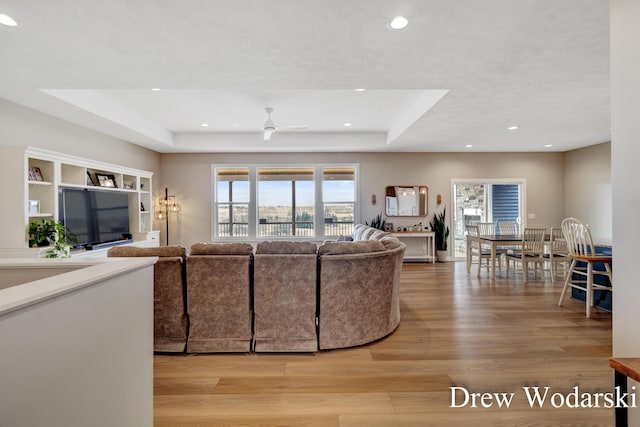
<point x="530" y="251"/>
<point x="489" y="229"/>
<point x="474" y="250"/>
<point x="582" y="253"/>
<point x="558" y="254"/>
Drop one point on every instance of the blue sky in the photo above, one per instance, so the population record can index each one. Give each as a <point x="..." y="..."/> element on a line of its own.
<point x="278" y="193"/>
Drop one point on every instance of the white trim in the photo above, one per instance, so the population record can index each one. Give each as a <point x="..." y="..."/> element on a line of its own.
<point x="254" y="202"/>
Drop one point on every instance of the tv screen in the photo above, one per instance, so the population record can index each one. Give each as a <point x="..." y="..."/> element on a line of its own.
<point x="94" y="216"/>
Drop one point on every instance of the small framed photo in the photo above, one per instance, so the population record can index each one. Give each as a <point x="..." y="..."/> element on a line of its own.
<point x="35" y="174"/>
<point x="129" y="185"/>
<point x="90" y="179"/>
<point x="388" y="226"/>
<point x="34" y="207"/>
<point x="106" y="180"/>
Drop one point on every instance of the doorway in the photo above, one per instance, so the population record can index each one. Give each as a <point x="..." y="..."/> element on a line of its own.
<point x="485" y="200"/>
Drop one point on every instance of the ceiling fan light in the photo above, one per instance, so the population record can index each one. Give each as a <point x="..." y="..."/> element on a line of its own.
<point x="398" y="23"/>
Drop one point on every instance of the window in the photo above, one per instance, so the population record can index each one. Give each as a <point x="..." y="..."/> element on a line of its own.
<point x="285" y="202"/>
<point x="232" y="202"/>
<point x="339" y="200"/>
<point x="267" y="201"/>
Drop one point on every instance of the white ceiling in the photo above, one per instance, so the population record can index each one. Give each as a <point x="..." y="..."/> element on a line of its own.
<point x="461" y="73"/>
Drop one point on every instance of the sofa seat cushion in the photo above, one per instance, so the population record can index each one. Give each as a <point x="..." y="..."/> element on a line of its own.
<point x="343" y="248"/>
<point x="221" y="249"/>
<point x="286" y="248"/>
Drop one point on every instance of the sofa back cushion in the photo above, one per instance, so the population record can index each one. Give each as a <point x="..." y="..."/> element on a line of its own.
<point x="343" y="248"/>
<point x="286" y="248"/>
<point x="162" y="251"/>
<point x="364" y="232"/>
<point x="221" y="249"/>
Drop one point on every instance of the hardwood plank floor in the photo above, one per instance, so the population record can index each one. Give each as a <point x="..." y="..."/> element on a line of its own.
<point x="456" y="331"/>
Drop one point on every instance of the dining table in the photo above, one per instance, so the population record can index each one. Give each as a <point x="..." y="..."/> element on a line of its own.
<point x="496" y="240"/>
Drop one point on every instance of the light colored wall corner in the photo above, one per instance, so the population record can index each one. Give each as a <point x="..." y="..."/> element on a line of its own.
<point x="188" y="176"/>
<point x="625" y="134"/>
<point x="23" y="127"/>
<point x="587" y="188"/>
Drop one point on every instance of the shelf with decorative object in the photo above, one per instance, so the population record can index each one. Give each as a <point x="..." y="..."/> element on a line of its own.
<point x="46" y="173"/>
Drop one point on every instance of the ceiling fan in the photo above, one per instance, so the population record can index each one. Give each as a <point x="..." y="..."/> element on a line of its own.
<point x="270" y="127"/>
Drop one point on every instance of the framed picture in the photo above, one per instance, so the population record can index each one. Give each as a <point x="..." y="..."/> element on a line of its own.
<point x="388" y="226"/>
<point x="129" y="185"/>
<point x="89" y="179"/>
<point x="34" y="207"/>
<point x="106" y="180"/>
<point x="35" y="174"/>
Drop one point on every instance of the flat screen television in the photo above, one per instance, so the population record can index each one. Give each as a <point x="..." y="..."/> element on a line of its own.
<point x="94" y="216"/>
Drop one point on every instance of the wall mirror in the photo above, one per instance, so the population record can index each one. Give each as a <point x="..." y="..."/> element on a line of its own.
<point x="406" y="200"/>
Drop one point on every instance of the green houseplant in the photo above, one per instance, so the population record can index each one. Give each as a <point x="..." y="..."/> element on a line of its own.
<point x="378" y="222"/>
<point x="51" y="232"/>
<point x="440" y="230"/>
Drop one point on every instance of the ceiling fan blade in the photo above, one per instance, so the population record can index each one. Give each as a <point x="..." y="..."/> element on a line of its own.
<point x="293" y="127"/>
<point x="268" y="133"/>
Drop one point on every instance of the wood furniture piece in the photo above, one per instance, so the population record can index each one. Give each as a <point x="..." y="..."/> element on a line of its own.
<point x="56" y="171"/>
<point x="428" y="243"/>
<point x="582" y="250"/>
<point x="624" y="367"/>
<point x="493" y="241"/>
<point x="531" y="250"/>
<point x="558" y="254"/>
<point x="474" y="249"/>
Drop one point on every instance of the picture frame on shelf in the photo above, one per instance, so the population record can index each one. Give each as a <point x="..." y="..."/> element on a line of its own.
<point x="106" y="180"/>
<point x="90" y="180"/>
<point x="34" y="207"/>
<point x="129" y="185"/>
<point x="35" y="174"/>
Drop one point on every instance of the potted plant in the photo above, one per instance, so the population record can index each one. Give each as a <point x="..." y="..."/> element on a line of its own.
<point x="47" y="232"/>
<point x="441" y="232"/>
<point x="377" y="222"/>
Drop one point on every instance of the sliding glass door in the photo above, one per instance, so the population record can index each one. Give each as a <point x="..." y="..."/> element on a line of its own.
<point x="487" y="200"/>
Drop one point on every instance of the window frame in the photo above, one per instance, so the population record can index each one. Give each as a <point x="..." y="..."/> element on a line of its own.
<point x="318" y="208"/>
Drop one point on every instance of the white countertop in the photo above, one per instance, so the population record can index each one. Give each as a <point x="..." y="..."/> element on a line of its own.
<point x="87" y="273"/>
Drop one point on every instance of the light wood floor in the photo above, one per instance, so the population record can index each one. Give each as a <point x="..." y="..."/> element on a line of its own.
<point x="456" y="330"/>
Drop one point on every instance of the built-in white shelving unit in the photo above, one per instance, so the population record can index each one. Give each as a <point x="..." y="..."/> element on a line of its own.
<point x="44" y="172"/>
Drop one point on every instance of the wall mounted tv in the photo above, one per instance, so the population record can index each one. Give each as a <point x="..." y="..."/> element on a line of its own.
<point x="96" y="217"/>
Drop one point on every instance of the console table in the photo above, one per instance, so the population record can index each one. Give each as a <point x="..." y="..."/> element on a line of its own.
<point x="427" y="251"/>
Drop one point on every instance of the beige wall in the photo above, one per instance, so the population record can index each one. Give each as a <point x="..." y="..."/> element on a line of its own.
<point x="22" y="127"/>
<point x="625" y="151"/>
<point x="587" y="183"/>
<point x="188" y="176"/>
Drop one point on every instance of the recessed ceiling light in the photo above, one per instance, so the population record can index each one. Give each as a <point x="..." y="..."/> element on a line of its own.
<point x="155" y="89"/>
<point x="398" y="23"/>
<point x="360" y="90"/>
<point x="468" y="146"/>
<point x="204" y="125"/>
<point x="7" y="20"/>
<point x="235" y="125"/>
<point x="548" y="145"/>
<point x="347" y="124"/>
<point x="513" y="128"/>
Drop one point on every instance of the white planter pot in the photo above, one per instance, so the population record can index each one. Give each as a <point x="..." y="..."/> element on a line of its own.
<point x="442" y="256"/>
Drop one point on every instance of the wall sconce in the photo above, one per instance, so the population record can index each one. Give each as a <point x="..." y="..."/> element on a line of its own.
<point x="167" y="204"/>
<point x="373" y="199"/>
